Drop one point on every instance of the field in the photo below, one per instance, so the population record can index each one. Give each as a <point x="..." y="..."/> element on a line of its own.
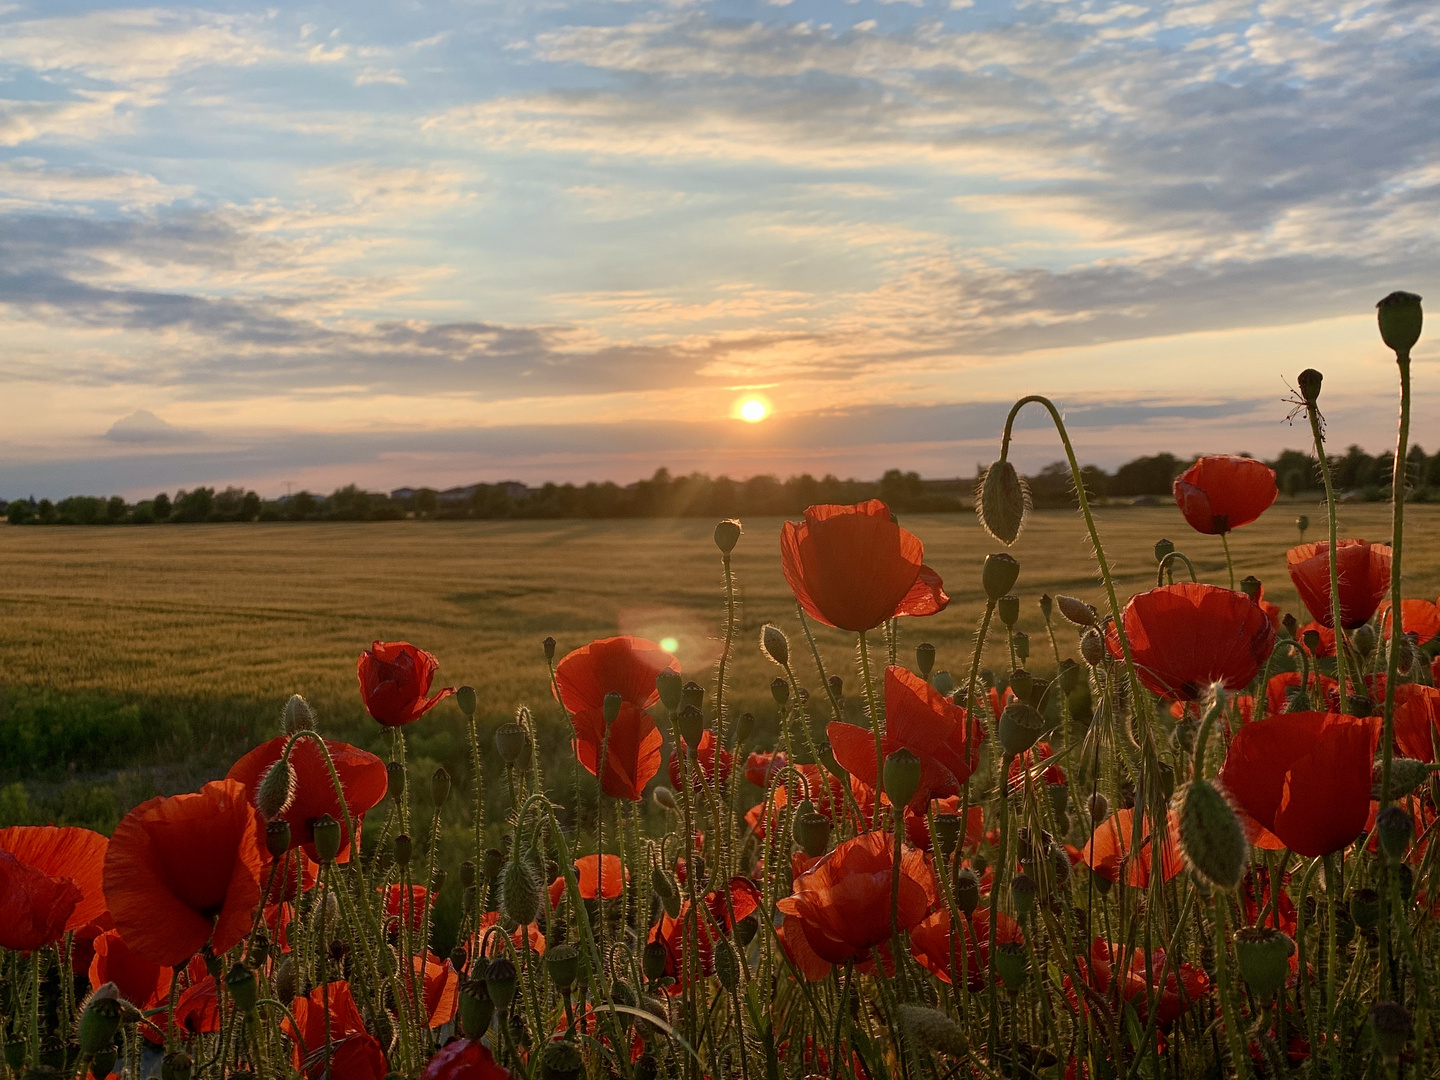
<point x="144" y="660"/>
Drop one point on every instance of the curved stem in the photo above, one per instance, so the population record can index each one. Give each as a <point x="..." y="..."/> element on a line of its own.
<point x="1165" y="568"/>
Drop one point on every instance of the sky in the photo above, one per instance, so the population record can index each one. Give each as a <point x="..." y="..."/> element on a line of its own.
<point x="435" y="243"/>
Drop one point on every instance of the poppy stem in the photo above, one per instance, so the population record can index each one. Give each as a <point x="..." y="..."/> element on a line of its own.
<point x="996" y="883"/>
<point x="1165" y="568"/>
<point x="1239" y="1056"/>
<point x="1398" y="469"/>
<point x="1229" y="562"/>
<point x="819" y="667"/>
<point x="841" y="1007"/>
<point x="720" y="727"/>
<point x="875" y="726"/>
<point x="1313" y="413"/>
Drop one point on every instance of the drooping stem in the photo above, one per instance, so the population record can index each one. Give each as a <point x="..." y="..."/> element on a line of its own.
<point x="1166" y="570"/>
<point x="1314" y="414"/>
<point x="1397" y="537"/>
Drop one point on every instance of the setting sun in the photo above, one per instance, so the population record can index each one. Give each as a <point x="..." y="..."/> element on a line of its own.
<point x="752" y="409"/>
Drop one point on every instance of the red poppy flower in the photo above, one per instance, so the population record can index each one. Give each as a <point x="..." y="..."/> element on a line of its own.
<point x="395" y="678"/>
<point x="737" y="900"/>
<point x="826" y="794"/>
<point x="760" y="766"/>
<point x="1281" y="686"/>
<point x="412" y="906"/>
<point x="439" y="988"/>
<point x="522" y="937"/>
<point x="184" y="870"/>
<point x="34" y="907"/>
<point x="142" y="983"/>
<point x="1030" y="762"/>
<point x="197" y="1012"/>
<point x="922" y="720"/>
<point x="587" y="873"/>
<point x="1255" y="898"/>
<point x="67" y="852"/>
<point x="1418" y="617"/>
<point x="1364" y="571"/>
<point x="1186" y="637"/>
<point x="705" y="758"/>
<point x="930" y="942"/>
<point x="1417" y="720"/>
<point x="1108" y="851"/>
<point x="850" y="566"/>
<point x="811" y="966"/>
<point x="843" y="901"/>
<point x="1222" y="492"/>
<point x="1305" y="777"/>
<point x="926" y="597"/>
<point x="1184" y="984"/>
<point x="464" y="1059"/>
<point x="624" y="665"/>
<point x="82" y="944"/>
<point x="362" y="777"/>
<point x="633" y="749"/>
<point x="917" y="824"/>
<point x="354" y="1052"/>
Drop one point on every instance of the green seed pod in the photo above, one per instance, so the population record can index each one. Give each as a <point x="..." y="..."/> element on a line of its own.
<point x="402" y="851"/>
<point x="1002" y="500"/>
<point x="967" y="891"/>
<point x="242" y="986"/>
<point x="1309" y="382"/>
<point x="746" y="929"/>
<point x="285" y="978"/>
<point x="439" y="787"/>
<point x="902" y="776"/>
<point x="774" y="644"/>
<point x="277" y="837"/>
<point x="671" y="904"/>
<point x="1023" y="890"/>
<point x="668" y="684"/>
<point x="833" y="767"/>
<point x="1012" y="965"/>
<point x="176" y="1066"/>
<point x="1047" y="605"/>
<point x="653" y="960"/>
<point x="944" y="683"/>
<point x="812" y="832"/>
<point x="561" y="1060"/>
<point x="692" y="693"/>
<point x="326" y="831"/>
<point x="1400" y="319"/>
<point x="933" y="1030"/>
<point x="394" y="780"/>
<point x="465" y="698"/>
<point x="1020" y="726"/>
<point x="1092" y="647"/>
<point x="947" y="833"/>
<point x="549" y="646"/>
<point x="1008" y="608"/>
<point x="100" y="1020"/>
<point x="727" y="966"/>
<point x="276" y="791"/>
<point x="1394" y="828"/>
<point x="1365" y="908"/>
<point x="1263" y="955"/>
<point x="563" y="964"/>
<point x="692" y="727"/>
<point x="467" y="874"/>
<point x="1290" y="624"/>
<point x="780" y="691"/>
<point x="476" y="1008"/>
<point x="999" y="575"/>
<point x="102" y="1064"/>
<point x="1252" y="588"/>
<point x="512" y="743"/>
<point x="925" y="658"/>
<point x="500" y="982"/>
<point x="1021" y="641"/>
<point x="1211" y="836"/>
<point x="519" y="891"/>
<point x="1021" y="684"/>
<point x="296" y="716"/>
<point x="1163" y="549"/>
<point x="490" y="868"/>
<point x="744" y="728"/>
<point x="1391" y="1028"/>
<point x="1363" y="638"/>
<point x="727" y="535"/>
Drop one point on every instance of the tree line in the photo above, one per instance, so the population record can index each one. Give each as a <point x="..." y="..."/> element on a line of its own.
<point x="1356" y="473"/>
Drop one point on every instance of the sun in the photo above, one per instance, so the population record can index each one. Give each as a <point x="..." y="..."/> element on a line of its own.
<point x="752" y="409"/>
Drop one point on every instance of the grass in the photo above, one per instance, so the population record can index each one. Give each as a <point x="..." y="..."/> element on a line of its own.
<point x="139" y="662"/>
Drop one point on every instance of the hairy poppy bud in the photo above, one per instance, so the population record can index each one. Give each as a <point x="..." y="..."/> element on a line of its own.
<point x="902" y="776"/>
<point x="402" y="851"/>
<point x="277" y="837"/>
<point x="465" y="698"/>
<point x="500" y="982"/>
<point x="326" y="831"/>
<point x="549" y="646"/>
<point x="780" y="691"/>
<point x="285" y="978"/>
<point x="999" y="575"/>
<point x="944" y="684"/>
<point x="692" y="693"/>
<point x="1163" y="548"/>
<point x="1263" y="955"/>
<point x="1400" y="319"/>
<point x="1002" y="501"/>
<point x="812" y="831"/>
<point x="967" y="891"/>
<point x="744" y="728"/>
<point x="1391" y="1028"/>
<point x="1020" y="726"/>
<point x="519" y="892"/>
<point x="727" y="535"/>
<point x="560" y="1060"/>
<point x="1092" y="647"/>
<point x="1099" y="807"/>
<point x="1395" y="829"/>
<point x="1021" y="641"/>
<point x="692" y="727"/>
<point x="1008" y="608"/>
<point x="774" y="644"/>
<point x="1211" y="837"/>
<point x="512" y="742"/>
<point x="668" y="684"/>
<point x="1251" y="587"/>
<point x="1365" y="908"/>
<point x="1309" y="382"/>
<point x="240" y="981"/>
<point x="563" y="964"/>
<point x="1023" y="890"/>
<point x="100" y="1020"/>
<point x="1047" y="605"/>
<point x="440" y="787"/>
<point x="1406" y="774"/>
<point x="1076" y="611"/>
<point x="947" y="833"/>
<point x="476" y="1008"/>
<point x="276" y="791"/>
<point x="664" y="797"/>
<point x="1012" y="965"/>
<point x="933" y="1030"/>
<point x="727" y="967"/>
<point x="1363" y="638"/>
<point x="297" y="716"/>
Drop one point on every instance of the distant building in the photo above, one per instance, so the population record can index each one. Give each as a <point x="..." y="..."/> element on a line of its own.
<point x="401" y="494"/>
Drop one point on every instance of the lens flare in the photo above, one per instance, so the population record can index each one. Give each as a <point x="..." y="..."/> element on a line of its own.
<point x="669" y="644"/>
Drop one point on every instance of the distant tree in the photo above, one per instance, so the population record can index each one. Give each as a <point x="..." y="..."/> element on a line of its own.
<point x="250" y="506"/>
<point x="300" y="506"/>
<point x="162" y="507"/>
<point x="427" y="502"/>
<point x="1147" y="476"/>
<point x="143" y="513"/>
<point x="115" y="509"/>
<point x="195" y="505"/>
<point x="80" y="510"/>
<point x="46" y="513"/>
<point x="20" y="512"/>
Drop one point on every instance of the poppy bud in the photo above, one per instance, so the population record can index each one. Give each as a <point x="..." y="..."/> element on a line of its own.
<point x="402" y="851"/>
<point x="1400" y="319"/>
<point x="727" y="967"/>
<point x="744" y="728"/>
<point x="176" y="1065"/>
<point x="465" y="698"/>
<point x="1092" y="647"/>
<point x="1406" y="774"/>
<point x="665" y="798"/>
<point x="653" y="960"/>
<point x="490" y="868"/>
<point x="1008" y="608"/>
<point x="1263" y="955"/>
<point x="944" y="683"/>
<point x="727" y="535"/>
<point x="1251" y="587"/>
<point x="780" y="691"/>
<point x="999" y="575"/>
<point x="1290" y="623"/>
<point x="746" y="929"/>
<point x="277" y="837"/>
<point x="1163" y="548"/>
<point x="276" y="791"/>
<point x="326" y="832"/>
<point x="563" y="964"/>
<point x="549" y="646"/>
<point x="1309" y="382"/>
<point x="440" y="787"/>
<point x="902" y="776"/>
<point x="512" y="742"/>
<point x="100" y="1020"/>
<point x="933" y="1030"/>
<point x="671" y="904"/>
<point x="519" y="892"/>
<point x="560" y="1060"/>
<point x="812" y="830"/>
<point x="1012" y="965"/>
<point x="1363" y="638"/>
<point x="102" y="1064"/>
<point x="1047" y="604"/>
<point x="1020" y="726"/>
<point x="297" y="716"/>
<point x="774" y="644"/>
<point x="1395" y="829"/>
<point x="1391" y="1029"/>
<point x="241" y="983"/>
<point x="947" y="833"/>
<point x="500" y="982"/>
<point x="1022" y="892"/>
<point x="476" y="1008"/>
<point x="1365" y="908"/>
<point x="1302" y="523"/>
<point x="1211" y="837"/>
<point x="1076" y="611"/>
<point x="668" y="684"/>
<point x="394" y="779"/>
<point x="1002" y="501"/>
<point x="967" y="891"/>
<point x="1021" y="641"/>
<point x="285" y="978"/>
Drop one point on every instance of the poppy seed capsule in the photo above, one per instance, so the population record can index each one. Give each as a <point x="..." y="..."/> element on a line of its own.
<point x="774" y="644"/>
<point x="967" y="891"/>
<point x="467" y="874"/>
<point x="1252" y="588"/>
<point x="1263" y="955"/>
<point x="1092" y="647"/>
<point x="276" y="791"/>
<point x="402" y="851"/>
<point x="1012" y="964"/>
<point x="1365" y="908"/>
<point x="500" y="982"/>
<point x="549" y="646"/>
<point x="277" y="837"/>
<point x="563" y="964"/>
<point x="1023" y="891"/>
<point x="692" y="727"/>
<point x="297" y="716"/>
<point x="476" y="1009"/>
<point x="561" y="1060"/>
<point x="1002" y="501"/>
<point x="394" y="780"/>
<point x="727" y="535"/>
<point x="1290" y="623"/>
<point x="176" y="1065"/>
<point x="1309" y="382"/>
<point x="1406" y="774"/>
<point x="947" y="833"/>
<point x="667" y="685"/>
<point x="933" y="1030"/>
<point x="1076" y="611"/>
<point x="240" y="982"/>
<point x="326" y="832"/>
<point x="902" y="776"/>
<point x="1021" y="641"/>
<point x="812" y="832"/>
<point x="744" y="728"/>
<point x="1020" y="726"/>
<point x="1391" y="1028"/>
<point x="999" y="575"/>
<point x="100" y="1020"/>
<point x="465" y="698"/>
<point x="1401" y="319"/>
<point x="925" y="658"/>
<point x="1394" y="828"/>
<point x="746" y="929"/>
<point x="610" y="707"/>
<point x="440" y="787"/>
<point x="1363" y="638"/>
<point x="1163" y="548"/>
<point x="512" y="743"/>
<point x="692" y="693"/>
<point x="1211" y="837"/>
<point x="1008" y="608"/>
<point x="780" y="691"/>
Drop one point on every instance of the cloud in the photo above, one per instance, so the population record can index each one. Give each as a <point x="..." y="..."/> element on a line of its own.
<point x="143" y="427"/>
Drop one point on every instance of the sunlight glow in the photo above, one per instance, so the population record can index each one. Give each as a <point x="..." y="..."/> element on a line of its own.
<point x="669" y="644"/>
<point x="752" y="409"/>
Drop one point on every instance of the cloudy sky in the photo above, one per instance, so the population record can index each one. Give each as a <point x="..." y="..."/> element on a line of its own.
<point x="437" y="242"/>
